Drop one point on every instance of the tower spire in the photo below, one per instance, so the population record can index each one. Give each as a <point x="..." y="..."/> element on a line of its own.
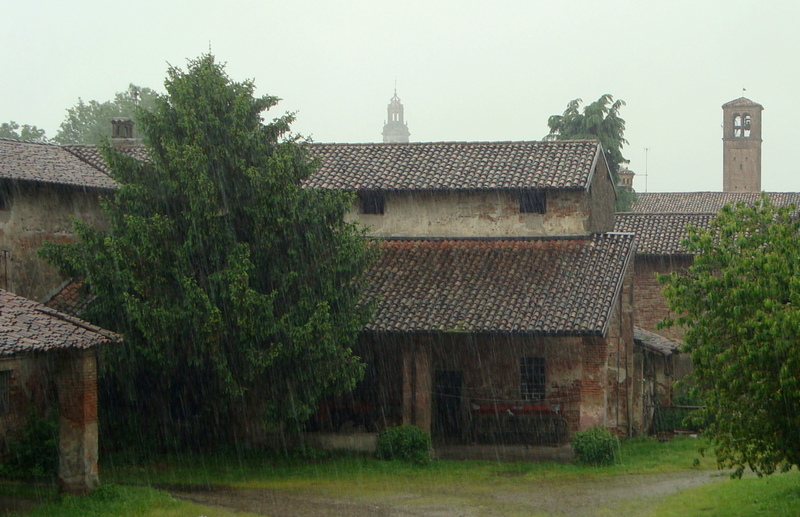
<point x="395" y="130"/>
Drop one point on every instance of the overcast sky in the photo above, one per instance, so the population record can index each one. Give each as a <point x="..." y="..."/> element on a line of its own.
<point x="465" y="70"/>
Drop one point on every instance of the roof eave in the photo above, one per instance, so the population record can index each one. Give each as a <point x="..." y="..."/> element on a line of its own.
<point x="620" y="283"/>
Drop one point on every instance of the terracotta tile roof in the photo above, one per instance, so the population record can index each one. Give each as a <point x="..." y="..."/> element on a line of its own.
<point x="553" y="286"/>
<point x="656" y="342"/>
<point x="660" y="234"/>
<point x="47" y="163"/>
<point x="94" y="157"/>
<point x="71" y="298"/>
<point x="455" y="165"/>
<point x="28" y="327"/>
<point x="703" y="202"/>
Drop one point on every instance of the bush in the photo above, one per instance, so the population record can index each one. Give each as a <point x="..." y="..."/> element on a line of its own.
<point x="405" y="442"/>
<point x="35" y="454"/>
<point x="595" y="446"/>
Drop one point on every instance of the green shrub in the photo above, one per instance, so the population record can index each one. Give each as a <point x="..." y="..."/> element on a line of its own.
<point x="595" y="446"/>
<point x="405" y="442"/>
<point x="35" y="454"/>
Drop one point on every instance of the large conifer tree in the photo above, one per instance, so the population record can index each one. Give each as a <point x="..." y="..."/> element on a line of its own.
<point x="236" y="289"/>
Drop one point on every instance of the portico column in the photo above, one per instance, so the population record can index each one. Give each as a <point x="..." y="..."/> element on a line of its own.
<point x="593" y="383"/>
<point x="417" y="383"/>
<point x="77" y="422"/>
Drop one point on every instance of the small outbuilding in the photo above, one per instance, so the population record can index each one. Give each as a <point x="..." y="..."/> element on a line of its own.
<point x="49" y="359"/>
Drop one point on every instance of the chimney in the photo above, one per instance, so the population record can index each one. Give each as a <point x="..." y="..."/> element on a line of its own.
<point x="122" y="133"/>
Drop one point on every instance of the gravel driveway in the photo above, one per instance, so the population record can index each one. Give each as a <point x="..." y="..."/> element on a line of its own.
<point x="623" y="495"/>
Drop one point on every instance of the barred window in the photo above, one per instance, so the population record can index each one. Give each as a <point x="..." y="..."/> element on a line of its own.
<point x="5" y="391"/>
<point x="532" y="378"/>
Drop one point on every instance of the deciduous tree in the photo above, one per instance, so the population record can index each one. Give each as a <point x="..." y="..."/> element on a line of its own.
<point x="89" y="123"/>
<point x="600" y="121"/>
<point x="740" y="305"/>
<point x="236" y="289"/>
<point x="23" y="132"/>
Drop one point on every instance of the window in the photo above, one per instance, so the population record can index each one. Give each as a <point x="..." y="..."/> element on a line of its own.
<point x="372" y="202"/>
<point x="5" y="198"/>
<point x="5" y="391"/>
<point x="534" y="202"/>
<point x="746" y="125"/>
<point x="737" y="125"/>
<point x="532" y="378"/>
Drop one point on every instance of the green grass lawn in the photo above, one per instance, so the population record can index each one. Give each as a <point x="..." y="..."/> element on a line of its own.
<point x="776" y="495"/>
<point x="129" y="482"/>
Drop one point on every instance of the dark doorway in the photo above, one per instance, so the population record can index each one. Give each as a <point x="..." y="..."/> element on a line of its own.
<point x="447" y="417"/>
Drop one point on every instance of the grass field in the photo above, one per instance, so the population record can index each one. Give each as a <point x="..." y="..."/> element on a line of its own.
<point x="128" y="490"/>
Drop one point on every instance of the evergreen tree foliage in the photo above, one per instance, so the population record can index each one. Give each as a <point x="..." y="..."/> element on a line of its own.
<point x="600" y="121"/>
<point x="740" y="305"/>
<point x="237" y="291"/>
<point x="89" y="123"/>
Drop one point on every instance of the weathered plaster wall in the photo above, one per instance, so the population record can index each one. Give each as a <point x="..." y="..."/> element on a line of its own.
<point x="622" y="380"/>
<point x="39" y="213"/>
<point x="602" y="201"/>
<point x="480" y="214"/>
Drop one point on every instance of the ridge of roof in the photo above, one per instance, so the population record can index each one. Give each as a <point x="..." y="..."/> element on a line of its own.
<point x="449" y="166"/>
<point x="509" y="238"/>
<point x="454" y="142"/>
<point x="43" y="162"/>
<point x="32" y="142"/>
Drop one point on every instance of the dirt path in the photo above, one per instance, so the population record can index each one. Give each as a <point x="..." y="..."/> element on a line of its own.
<point x="632" y="494"/>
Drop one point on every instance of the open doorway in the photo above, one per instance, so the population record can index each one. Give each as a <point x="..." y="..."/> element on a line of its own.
<point x="448" y="415"/>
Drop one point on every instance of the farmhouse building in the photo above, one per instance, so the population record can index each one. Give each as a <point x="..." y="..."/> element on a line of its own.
<point x="503" y="305"/>
<point x="42" y="188"/>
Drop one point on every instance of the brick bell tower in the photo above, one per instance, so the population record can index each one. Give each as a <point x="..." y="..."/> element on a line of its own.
<point x="741" y="144"/>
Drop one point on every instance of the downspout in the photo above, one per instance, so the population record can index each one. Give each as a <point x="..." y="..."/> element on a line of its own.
<point x="413" y="383"/>
<point x="619" y="339"/>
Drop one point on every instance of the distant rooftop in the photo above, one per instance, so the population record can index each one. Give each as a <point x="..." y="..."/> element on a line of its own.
<point x="703" y="202"/>
<point x="456" y="165"/>
<point x="48" y="163"/>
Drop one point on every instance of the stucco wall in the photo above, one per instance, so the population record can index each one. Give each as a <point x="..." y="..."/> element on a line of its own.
<point x="480" y="214"/>
<point x="39" y="213"/>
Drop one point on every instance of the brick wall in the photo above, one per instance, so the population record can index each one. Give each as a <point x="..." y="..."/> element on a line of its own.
<point x="650" y="306"/>
<point x="78" y="448"/>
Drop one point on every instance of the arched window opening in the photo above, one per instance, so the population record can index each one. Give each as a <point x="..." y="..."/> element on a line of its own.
<point x="737" y="125"/>
<point x="746" y="125"/>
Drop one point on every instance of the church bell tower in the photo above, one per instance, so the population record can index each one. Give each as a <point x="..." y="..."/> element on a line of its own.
<point x="396" y="129"/>
<point x="741" y="141"/>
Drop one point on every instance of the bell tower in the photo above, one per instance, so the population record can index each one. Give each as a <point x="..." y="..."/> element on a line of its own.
<point x="741" y="146"/>
<point x="396" y="129"/>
